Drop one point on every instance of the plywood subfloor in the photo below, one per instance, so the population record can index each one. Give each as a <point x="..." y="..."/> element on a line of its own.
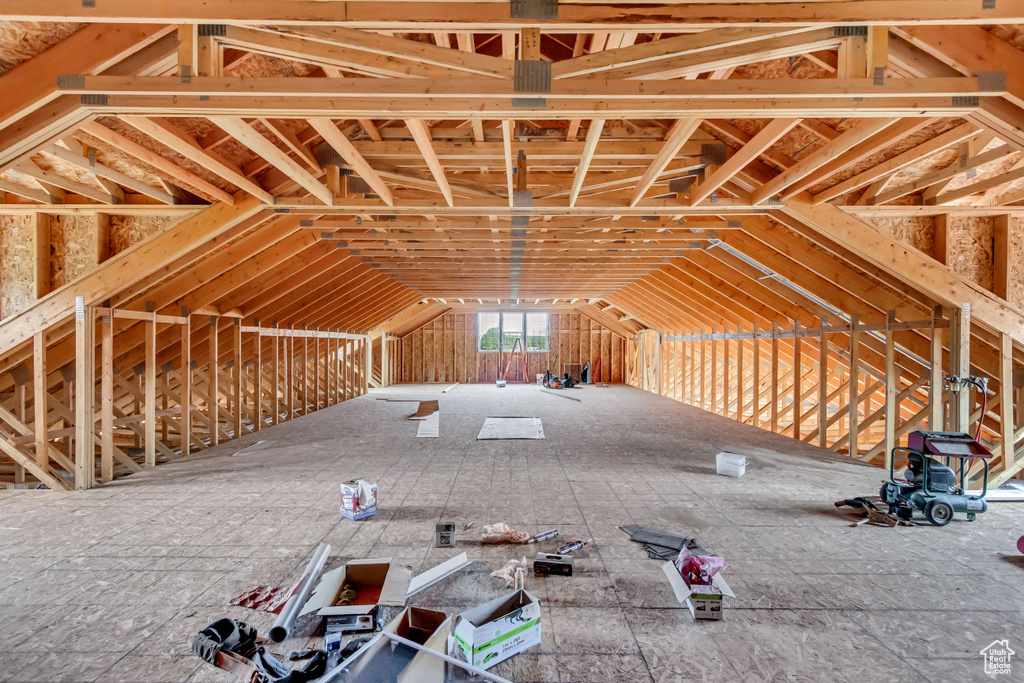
<point x="112" y="584"/>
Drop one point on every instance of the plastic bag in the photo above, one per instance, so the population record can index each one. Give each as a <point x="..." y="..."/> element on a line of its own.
<point x="698" y="570"/>
<point x="503" y="533"/>
<point x="508" y="572"/>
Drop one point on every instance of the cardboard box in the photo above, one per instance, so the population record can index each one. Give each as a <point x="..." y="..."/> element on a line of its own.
<point x="496" y="630"/>
<point x="421" y="626"/>
<point x="705" y="602"/>
<point x="691" y="594"/>
<point x="380" y="583"/>
<point x="444" y="535"/>
<point x="559" y="565"/>
<point x="358" y="499"/>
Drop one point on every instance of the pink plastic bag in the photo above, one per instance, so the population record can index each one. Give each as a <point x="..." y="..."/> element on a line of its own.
<point x="698" y="570"/>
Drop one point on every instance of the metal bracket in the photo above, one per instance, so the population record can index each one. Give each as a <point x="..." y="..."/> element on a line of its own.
<point x="680" y="185"/>
<point x="185" y="72"/>
<point x="966" y="101"/>
<point x="94" y="100"/>
<point x="713" y="154"/>
<point x="879" y="75"/>
<point x="851" y="31"/>
<point x="544" y="10"/>
<point x="212" y="30"/>
<point x="991" y="80"/>
<point x="71" y="82"/>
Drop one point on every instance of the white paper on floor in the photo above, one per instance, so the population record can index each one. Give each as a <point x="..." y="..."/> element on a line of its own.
<point x="512" y="428"/>
<point x="430" y="425"/>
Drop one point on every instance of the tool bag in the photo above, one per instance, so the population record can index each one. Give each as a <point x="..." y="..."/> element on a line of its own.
<point x="234" y="646"/>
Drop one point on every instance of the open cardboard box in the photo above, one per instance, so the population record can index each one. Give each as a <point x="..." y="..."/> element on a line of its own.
<point x="705" y="602"/>
<point x="422" y="626"/>
<point x="496" y="630"/>
<point x="380" y="583"/>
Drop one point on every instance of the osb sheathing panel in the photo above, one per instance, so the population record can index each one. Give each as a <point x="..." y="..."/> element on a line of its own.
<point x="1016" y="293"/>
<point x="257" y="65"/>
<point x="137" y="136"/>
<point x="119" y="161"/>
<point x="71" y="248"/>
<point x="23" y="40"/>
<point x="1012" y="34"/>
<point x="909" y="142"/>
<point x="17" y="255"/>
<point x="63" y="169"/>
<point x="918" y="231"/>
<point x="970" y="248"/>
<point x="127" y="230"/>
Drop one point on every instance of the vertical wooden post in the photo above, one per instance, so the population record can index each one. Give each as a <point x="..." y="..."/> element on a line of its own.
<point x="740" y="395"/>
<point x="275" y="371"/>
<point x="150" y="439"/>
<point x="960" y="366"/>
<point x="237" y="376"/>
<point x="186" y="383"/>
<point x="775" y="376"/>
<point x="1006" y="424"/>
<point x="258" y="381"/>
<point x="85" y="388"/>
<point x="755" y="398"/>
<point x="107" y="397"/>
<point x="304" y="371"/>
<point x="936" y="406"/>
<point x="213" y="383"/>
<point x="714" y="372"/>
<point x="891" y="388"/>
<point x="289" y="373"/>
<point x="798" y="380"/>
<point x="726" y="385"/>
<point x="823" y="384"/>
<point x="854" y="402"/>
<point x="703" y="365"/>
<point x="39" y="395"/>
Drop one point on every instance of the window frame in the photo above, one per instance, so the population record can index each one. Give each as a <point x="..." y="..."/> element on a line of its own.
<point x="524" y="334"/>
<point x="480" y="337"/>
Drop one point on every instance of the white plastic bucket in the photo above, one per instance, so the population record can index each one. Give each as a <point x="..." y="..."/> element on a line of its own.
<point x="730" y="464"/>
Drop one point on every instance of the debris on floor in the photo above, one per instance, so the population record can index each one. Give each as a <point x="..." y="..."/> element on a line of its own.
<point x="429" y="416"/>
<point x="508" y="572"/>
<point x="697" y="581"/>
<point x="300" y="593"/>
<point x="438" y="573"/>
<point x="554" y="564"/>
<point x="511" y="428"/>
<point x="449" y="388"/>
<point x="235" y="647"/>
<point x="373" y="582"/>
<point x="264" y="598"/>
<point x="660" y="545"/>
<point x="250" y="448"/>
<point x="573" y="545"/>
<point x="358" y="499"/>
<point x="496" y="630"/>
<point x="868" y="511"/>
<point x="544" y="536"/>
<point x="444" y="535"/>
<point x="730" y="464"/>
<point x="503" y="533"/>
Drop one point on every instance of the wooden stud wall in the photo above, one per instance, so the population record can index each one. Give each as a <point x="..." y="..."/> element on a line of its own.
<point x="871" y="403"/>
<point x="130" y="417"/>
<point x="445" y="350"/>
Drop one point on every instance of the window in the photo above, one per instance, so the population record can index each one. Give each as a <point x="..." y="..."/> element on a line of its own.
<point x="488" y="331"/>
<point x="536" y="331"/>
<point x="531" y="329"/>
<point x="511" y="331"/>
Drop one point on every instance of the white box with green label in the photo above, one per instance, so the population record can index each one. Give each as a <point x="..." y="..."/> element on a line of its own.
<point x="494" y="631"/>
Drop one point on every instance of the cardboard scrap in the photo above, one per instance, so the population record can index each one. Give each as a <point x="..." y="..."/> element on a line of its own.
<point x="265" y="598"/>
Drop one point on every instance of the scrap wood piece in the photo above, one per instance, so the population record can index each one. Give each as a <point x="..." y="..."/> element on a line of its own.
<point x="426" y="409"/>
<point x="430" y="426"/>
<point x="511" y="428"/>
<point x="554" y="393"/>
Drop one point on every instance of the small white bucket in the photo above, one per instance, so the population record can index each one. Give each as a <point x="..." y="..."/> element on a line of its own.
<point x="730" y="464"/>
